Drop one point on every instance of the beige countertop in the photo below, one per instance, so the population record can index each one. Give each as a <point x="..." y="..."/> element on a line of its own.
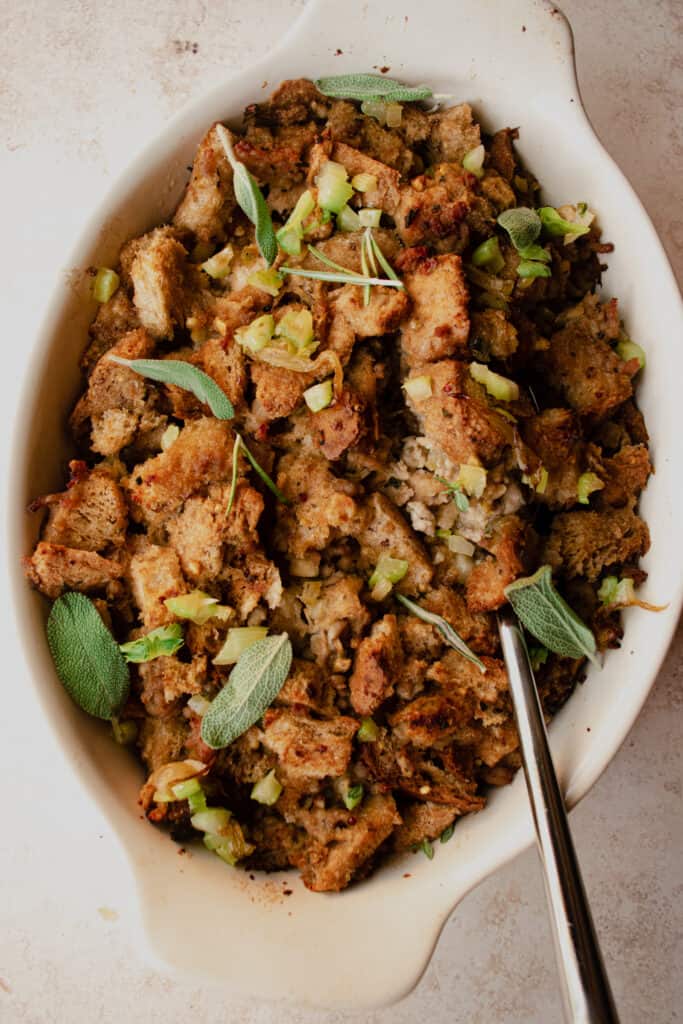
<point x="83" y="85"/>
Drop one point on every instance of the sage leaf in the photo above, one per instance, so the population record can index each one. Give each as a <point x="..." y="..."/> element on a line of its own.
<point x="250" y="200"/>
<point x="254" y="683"/>
<point x="183" y="375"/>
<point x="555" y="225"/>
<point x="522" y="225"/>
<point x="450" y="635"/>
<point x="88" y="661"/>
<point x="161" y="642"/>
<point x="371" y="87"/>
<point x="548" y="617"/>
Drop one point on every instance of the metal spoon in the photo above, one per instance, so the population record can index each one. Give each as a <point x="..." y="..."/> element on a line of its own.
<point x="586" y="992"/>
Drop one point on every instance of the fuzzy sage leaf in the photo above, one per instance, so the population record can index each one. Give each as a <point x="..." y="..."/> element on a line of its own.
<point x="250" y="200"/>
<point x="88" y="661"/>
<point x="522" y="225"/>
<point x="450" y="635"/>
<point x="183" y="375"/>
<point x="371" y="87"/>
<point x="548" y="617"/>
<point x="254" y="683"/>
<point x="161" y="642"/>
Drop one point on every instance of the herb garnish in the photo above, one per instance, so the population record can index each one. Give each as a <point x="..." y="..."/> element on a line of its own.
<point x="427" y="849"/>
<point x="237" y="444"/>
<point x="87" y="658"/>
<point x="548" y="617"/>
<point x="456" y="492"/>
<point x="369" y="253"/>
<point x="183" y="375"/>
<point x="161" y="642"/>
<point x="450" y="635"/>
<point x="254" y="683"/>
<point x="250" y="200"/>
<point x="447" y="833"/>
<point x="268" y="481"/>
<point x="371" y="87"/>
<point x="523" y="227"/>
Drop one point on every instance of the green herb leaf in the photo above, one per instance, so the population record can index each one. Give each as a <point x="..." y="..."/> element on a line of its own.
<point x="531" y="268"/>
<point x="185" y="376"/>
<point x="368" y="87"/>
<point x="555" y="225"/>
<point x="450" y="635"/>
<point x="456" y="492"/>
<point x="448" y="832"/>
<point x="235" y="472"/>
<point x="522" y="225"/>
<point x="250" y="200"/>
<point x="161" y="642"/>
<point x="535" y="252"/>
<point x="548" y="617"/>
<point x="86" y="656"/>
<point x="538" y="655"/>
<point x="353" y="796"/>
<point x="427" y="849"/>
<point x="348" y="277"/>
<point x="268" y="481"/>
<point x="254" y="683"/>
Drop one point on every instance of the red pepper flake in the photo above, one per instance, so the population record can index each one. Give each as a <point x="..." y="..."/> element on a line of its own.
<point x="287" y="892"/>
<point x="407" y="875"/>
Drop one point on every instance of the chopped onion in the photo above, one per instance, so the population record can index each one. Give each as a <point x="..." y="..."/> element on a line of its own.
<point x="620" y="593"/>
<point x="381" y="589"/>
<point x="230" y="845"/>
<point x="267" y="790"/>
<point x="239" y="639"/>
<point x="104" y="285"/>
<point x="305" y="568"/>
<point x="168" y="775"/>
<point x="171" y="434"/>
<point x="499" y="387"/>
<point x="200" y="705"/>
<point x="393" y="114"/>
<point x="213" y="820"/>
<point x="418" y="388"/>
<point x="326" y="361"/>
<point x="319" y="396"/>
<point x="474" y="161"/>
<point x="459" y="545"/>
<point x="219" y="265"/>
<point x="472" y="479"/>
<point x="296" y="326"/>
<point x="364" y="182"/>
<point x="376" y="109"/>
<point x="369" y="218"/>
<point x="348" y="220"/>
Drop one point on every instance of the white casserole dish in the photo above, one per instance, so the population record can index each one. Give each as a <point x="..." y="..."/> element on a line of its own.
<point x="368" y="945"/>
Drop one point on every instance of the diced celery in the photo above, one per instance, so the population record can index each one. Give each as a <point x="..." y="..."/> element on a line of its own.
<point x="268" y="281"/>
<point x="213" y="819"/>
<point x="388" y="568"/>
<point x="393" y="114"/>
<point x="627" y="349"/>
<point x="334" y="190"/>
<point x="296" y="326"/>
<point x="531" y="268"/>
<point x="289" y="239"/>
<point x="183" y="790"/>
<point x="459" y="545"/>
<point x="220" y="264"/>
<point x="353" y="796"/>
<point x="499" y="387"/>
<point x="105" y="284"/>
<point x="489" y="256"/>
<point x="319" y="396"/>
<point x="198" y="607"/>
<point x="369" y="218"/>
<point x="230" y="845"/>
<point x="586" y="485"/>
<point x="290" y="234"/>
<point x="555" y="224"/>
<point x="197" y="802"/>
<point x="368" y="731"/>
<point x="364" y="182"/>
<point x="381" y="589"/>
<point x="474" y="161"/>
<point x="171" y="434"/>
<point x="257" y="334"/>
<point x="472" y="479"/>
<point x="125" y="732"/>
<point x="238" y="641"/>
<point x="542" y="480"/>
<point x="267" y="790"/>
<point x="348" y="219"/>
<point x="418" y="388"/>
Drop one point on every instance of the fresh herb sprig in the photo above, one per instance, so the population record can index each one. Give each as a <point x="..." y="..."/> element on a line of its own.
<point x="268" y="481"/>
<point x="548" y="617"/>
<point x="254" y="683"/>
<point x="456" y="492"/>
<point x="523" y="226"/>
<point x="183" y="375"/>
<point x="371" y="87"/>
<point x="449" y="634"/>
<point x="88" y="660"/>
<point x="250" y="200"/>
<point x="370" y="255"/>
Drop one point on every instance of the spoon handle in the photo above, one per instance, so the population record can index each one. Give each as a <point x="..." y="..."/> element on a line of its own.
<point x="586" y="991"/>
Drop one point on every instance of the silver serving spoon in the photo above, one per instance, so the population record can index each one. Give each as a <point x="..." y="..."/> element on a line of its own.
<point x="585" y="989"/>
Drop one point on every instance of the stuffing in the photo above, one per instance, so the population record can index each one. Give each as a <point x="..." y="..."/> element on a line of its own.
<point x="438" y="323"/>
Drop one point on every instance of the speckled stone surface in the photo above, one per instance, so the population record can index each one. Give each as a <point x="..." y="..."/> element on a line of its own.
<point x="83" y="84"/>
